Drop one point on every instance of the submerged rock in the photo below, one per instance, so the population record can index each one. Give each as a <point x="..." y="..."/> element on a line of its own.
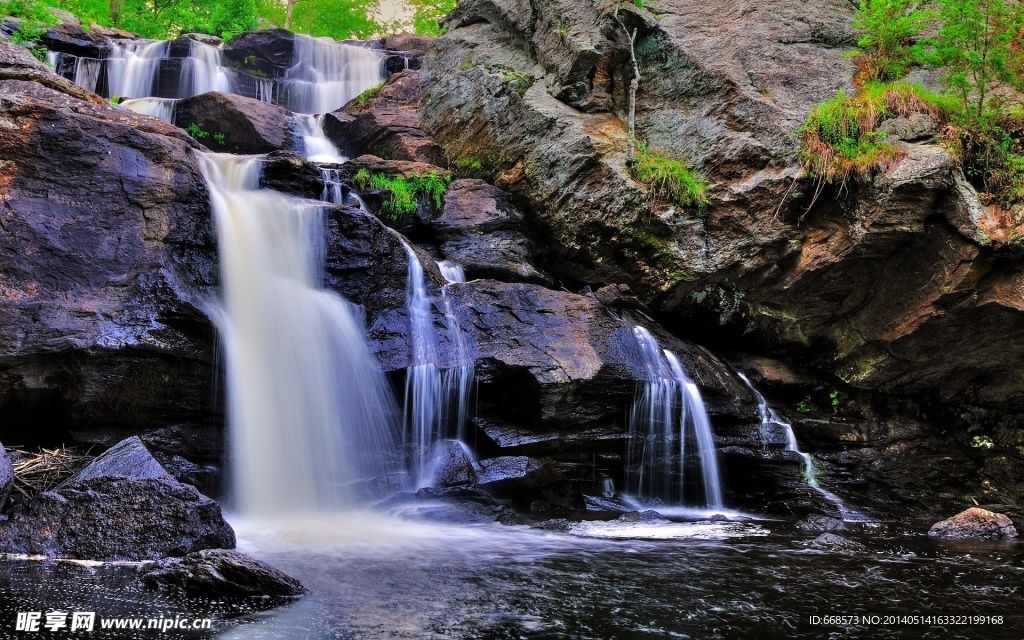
<point x="116" y="518"/>
<point x="820" y="523"/>
<point x="219" y="573"/>
<point x="451" y="465"/>
<point x="835" y="542"/>
<point x="974" y="523"/>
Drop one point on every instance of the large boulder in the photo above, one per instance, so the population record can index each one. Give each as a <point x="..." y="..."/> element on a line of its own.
<point x="109" y="261"/>
<point x="116" y="518"/>
<point x="264" y="53"/>
<point x="974" y="523"/>
<point x="386" y="124"/>
<point x="229" y="122"/>
<point x="219" y="573"/>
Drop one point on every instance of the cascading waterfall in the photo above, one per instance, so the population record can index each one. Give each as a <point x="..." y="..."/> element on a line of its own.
<point x="436" y="400"/>
<point x="326" y="74"/>
<point x="203" y="71"/>
<point x="452" y="271"/>
<point x="132" y="68"/>
<point x="456" y="381"/>
<point x="317" y="147"/>
<point x="158" y="107"/>
<point x="310" y="414"/>
<point x="770" y="421"/>
<point x="667" y="414"/>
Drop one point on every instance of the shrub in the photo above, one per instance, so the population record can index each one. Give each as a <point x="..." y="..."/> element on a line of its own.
<point x="888" y="30"/>
<point x="405" y="193"/>
<point x="669" y="179"/>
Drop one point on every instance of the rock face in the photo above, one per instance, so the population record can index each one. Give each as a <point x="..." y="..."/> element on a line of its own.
<point x="108" y="262"/>
<point x="220" y="573"/>
<point x="236" y="124"/>
<point x="6" y="477"/>
<point x="116" y="518"/>
<point x="837" y="543"/>
<point x="974" y="523"/>
<point x="863" y="286"/>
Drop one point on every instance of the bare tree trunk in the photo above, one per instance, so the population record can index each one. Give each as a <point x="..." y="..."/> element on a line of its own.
<point x="115" y="12"/>
<point x="634" y="84"/>
<point x="288" y="14"/>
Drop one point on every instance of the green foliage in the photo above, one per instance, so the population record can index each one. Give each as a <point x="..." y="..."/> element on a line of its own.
<point x="339" y="19"/>
<point x="405" y="193"/>
<point x="369" y="94"/>
<point x="806" y="405"/>
<point x="833" y="398"/>
<point x="196" y="131"/>
<point x="669" y="179"/>
<point x="427" y="13"/>
<point x="888" y="32"/>
<point x="974" y="46"/>
<point x="218" y="137"/>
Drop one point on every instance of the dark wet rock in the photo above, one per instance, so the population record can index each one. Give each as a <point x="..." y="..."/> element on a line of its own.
<point x="648" y="516"/>
<point x="820" y="523"/>
<point x="109" y="262"/>
<point x="128" y="459"/>
<point x="70" y="38"/>
<point x="605" y="504"/>
<point x="836" y="543"/>
<point x="451" y="464"/>
<point x="289" y="172"/>
<point x="116" y="518"/>
<point x="219" y="573"/>
<point x="505" y="470"/>
<point x="264" y="53"/>
<point x="18" y="64"/>
<point x="245" y="125"/>
<point x="974" y="523"/>
<point x="203" y="477"/>
<point x="6" y="478"/>
<point x="205" y="38"/>
<point x="619" y="296"/>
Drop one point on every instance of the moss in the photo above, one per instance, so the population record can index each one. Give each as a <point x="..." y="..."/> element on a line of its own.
<point x="669" y="179"/>
<point x="369" y="94"/>
<point x="405" y="193"/>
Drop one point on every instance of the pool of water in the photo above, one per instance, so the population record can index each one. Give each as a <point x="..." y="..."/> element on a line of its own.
<point x="372" y="576"/>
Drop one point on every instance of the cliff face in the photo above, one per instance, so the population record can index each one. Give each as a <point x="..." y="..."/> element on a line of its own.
<point x="901" y="283"/>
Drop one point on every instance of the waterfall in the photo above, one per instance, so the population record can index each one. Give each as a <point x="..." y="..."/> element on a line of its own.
<point x="457" y="381"/>
<point x="132" y="68"/>
<point x="203" y="71"/>
<point x="667" y="414"/>
<point x="317" y="147"/>
<point x="326" y="74"/>
<point x="452" y="271"/>
<point x="436" y="399"/>
<point x="310" y="415"/>
<point x="770" y="421"/>
<point x="157" y="107"/>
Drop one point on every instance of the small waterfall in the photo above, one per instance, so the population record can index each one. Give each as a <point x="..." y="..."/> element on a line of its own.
<point x="452" y="271"/>
<point x="669" y="413"/>
<point x="87" y="73"/>
<point x="771" y="421"/>
<point x="326" y="74"/>
<point x="436" y="399"/>
<point x="132" y="68"/>
<point x="203" y="71"/>
<point x="317" y="147"/>
<point x="310" y="414"/>
<point x="157" y="107"/>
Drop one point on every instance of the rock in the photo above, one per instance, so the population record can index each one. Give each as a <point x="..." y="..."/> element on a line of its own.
<point x="219" y="573"/>
<point x="69" y="38"/>
<point x="18" y="64"/>
<point x="110" y="32"/>
<point x="451" y="464"/>
<point x="647" y="516"/>
<point x="6" y="478"/>
<point x="264" y="53"/>
<point x="110" y="259"/>
<point x="820" y="523"/>
<point x="236" y="123"/>
<point x="618" y="295"/>
<point x="289" y="172"/>
<point x="205" y="38"/>
<point x="974" y="523"/>
<point x="64" y="17"/>
<point x="386" y="124"/>
<point x="837" y="543"/>
<point x="116" y="518"/>
<point x="128" y="459"/>
<point x="912" y="128"/>
<point x="407" y="42"/>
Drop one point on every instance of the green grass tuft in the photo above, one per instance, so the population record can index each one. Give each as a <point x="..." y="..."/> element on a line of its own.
<point x="669" y="179"/>
<point x="406" y="193"/>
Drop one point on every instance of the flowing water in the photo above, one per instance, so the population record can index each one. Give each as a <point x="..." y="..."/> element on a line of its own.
<point x="667" y="418"/>
<point x="325" y="74"/>
<point x="310" y="415"/>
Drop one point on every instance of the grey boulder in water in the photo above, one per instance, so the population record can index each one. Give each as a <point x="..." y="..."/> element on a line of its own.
<point x="975" y="523"/>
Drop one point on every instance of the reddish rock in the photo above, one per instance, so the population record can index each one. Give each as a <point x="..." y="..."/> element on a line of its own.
<point x="974" y="523"/>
